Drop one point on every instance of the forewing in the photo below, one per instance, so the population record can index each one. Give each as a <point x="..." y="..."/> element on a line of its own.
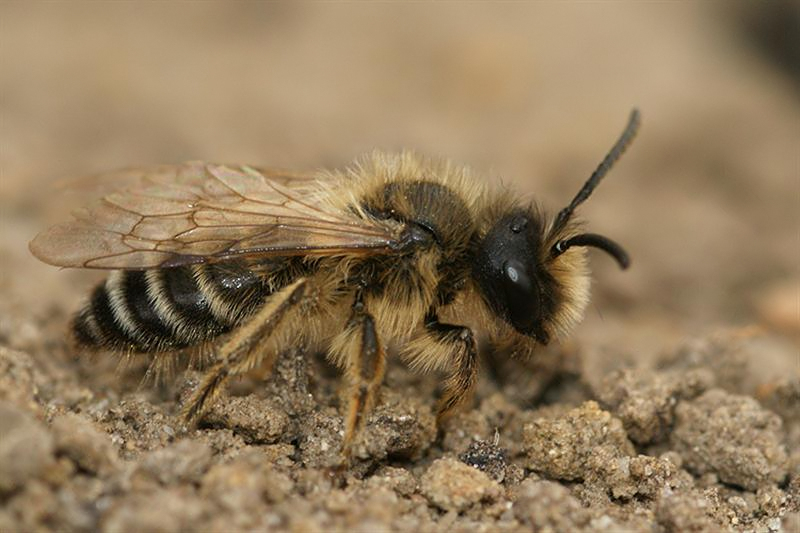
<point x="200" y="212"/>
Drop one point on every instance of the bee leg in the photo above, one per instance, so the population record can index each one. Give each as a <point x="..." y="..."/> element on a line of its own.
<point x="460" y="384"/>
<point x="366" y="364"/>
<point x="240" y="352"/>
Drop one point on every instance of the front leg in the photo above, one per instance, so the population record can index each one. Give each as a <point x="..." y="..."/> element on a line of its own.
<point x="451" y="347"/>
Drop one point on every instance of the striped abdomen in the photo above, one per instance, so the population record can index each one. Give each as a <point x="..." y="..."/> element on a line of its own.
<point x="170" y="308"/>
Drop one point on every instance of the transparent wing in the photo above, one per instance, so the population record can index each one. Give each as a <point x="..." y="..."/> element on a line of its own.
<point x="200" y="212"/>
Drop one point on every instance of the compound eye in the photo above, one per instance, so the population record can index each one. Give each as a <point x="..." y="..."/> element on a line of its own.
<point x="521" y="295"/>
<point x="515" y="274"/>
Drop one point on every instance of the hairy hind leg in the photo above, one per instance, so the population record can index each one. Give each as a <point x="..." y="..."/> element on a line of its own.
<point x="243" y="351"/>
<point x="360" y="351"/>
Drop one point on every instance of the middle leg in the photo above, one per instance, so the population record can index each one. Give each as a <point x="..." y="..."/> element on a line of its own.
<point x="360" y="351"/>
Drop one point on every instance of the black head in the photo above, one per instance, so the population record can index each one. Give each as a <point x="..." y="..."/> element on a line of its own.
<point x="509" y="271"/>
<point x="515" y="257"/>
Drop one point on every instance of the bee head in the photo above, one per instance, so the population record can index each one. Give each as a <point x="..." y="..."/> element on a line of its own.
<point x="512" y="276"/>
<point x="519" y="267"/>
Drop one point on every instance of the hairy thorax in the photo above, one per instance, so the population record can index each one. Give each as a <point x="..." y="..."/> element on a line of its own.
<point x="435" y="264"/>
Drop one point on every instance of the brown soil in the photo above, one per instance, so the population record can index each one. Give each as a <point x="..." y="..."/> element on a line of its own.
<point x="674" y="407"/>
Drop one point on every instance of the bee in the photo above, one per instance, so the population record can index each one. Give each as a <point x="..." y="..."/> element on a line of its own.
<point x="394" y="248"/>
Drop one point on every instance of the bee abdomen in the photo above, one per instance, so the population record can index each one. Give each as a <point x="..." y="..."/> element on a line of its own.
<point x="167" y="309"/>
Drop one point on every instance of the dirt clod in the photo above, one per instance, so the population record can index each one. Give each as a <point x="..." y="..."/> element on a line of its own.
<point x="245" y="483"/>
<point x="731" y="436"/>
<point x="690" y="512"/>
<point x="454" y="486"/>
<point x="184" y="461"/>
<point x="160" y="511"/>
<point x="26" y="448"/>
<point x="257" y="421"/>
<point x="486" y="457"/>
<point x="399" y="428"/>
<point x="548" y="506"/>
<point x="645" y="401"/>
<point x="17" y="380"/>
<point x="78" y="439"/>
<point x="572" y="447"/>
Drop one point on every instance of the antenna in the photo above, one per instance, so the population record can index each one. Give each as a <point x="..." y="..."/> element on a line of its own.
<point x="602" y="169"/>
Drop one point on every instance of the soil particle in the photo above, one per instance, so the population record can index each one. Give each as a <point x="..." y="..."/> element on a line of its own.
<point x="731" y="436"/>
<point x="645" y="401"/>
<point x="311" y="482"/>
<point x="320" y="439"/>
<point x="245" y="484"/>
<point x="17" y="378"/>
<point x="77" y="439"/>
<point x="224" y="443"/>
<point x="258" y="421"/>
<point x="398" y="428"/>
<point x="790" y="522"/>
<point x="486" y="457"/>
<point x="647" y="477"/>
<point x="720" y="360"/>
<point x="793" y="487"/>
<point x="26" y="448"/>
<point x="782" y="397"/>
<point x="688" y="512"/>
<point x="33" y="507"/>
<point x="184" y="461"/>
<point x="399" y="480"/>
<point x="462" y="429"/>
<point x="159" y="511"/>
<point x="454" y="486"/>
<point x="137" y="425"/>
<point x="548" y="506"/>
<point x="770" y="501"/>
<point x="78" y="503"/>
<point x="370" y="509"/>
<point x="573" y="447"/>
<point x="590" y="446"/>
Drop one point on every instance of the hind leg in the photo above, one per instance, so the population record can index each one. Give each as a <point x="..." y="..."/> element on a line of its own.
<point x="242" y="351"/>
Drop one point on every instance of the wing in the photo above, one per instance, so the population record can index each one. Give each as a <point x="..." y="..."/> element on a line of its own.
<point x="200" y="212"/>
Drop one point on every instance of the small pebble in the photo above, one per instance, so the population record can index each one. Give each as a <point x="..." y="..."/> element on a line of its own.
<point x="486" y="457"/>
<point x="78" y="439"/>
<point x="26" y="448"/>
<point x="453" y="486"/>
<point x="733" y="437"/>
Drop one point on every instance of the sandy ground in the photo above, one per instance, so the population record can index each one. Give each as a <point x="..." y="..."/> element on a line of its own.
<point x="674" y="407"/>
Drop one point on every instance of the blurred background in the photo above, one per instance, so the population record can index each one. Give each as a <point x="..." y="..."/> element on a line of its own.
<point x="707" y="200"/>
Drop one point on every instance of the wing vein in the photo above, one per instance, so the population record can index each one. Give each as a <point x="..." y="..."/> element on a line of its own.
<point x="196" y="212"/>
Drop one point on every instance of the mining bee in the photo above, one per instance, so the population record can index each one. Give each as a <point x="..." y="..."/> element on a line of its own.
<point x="396" y="247"/>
